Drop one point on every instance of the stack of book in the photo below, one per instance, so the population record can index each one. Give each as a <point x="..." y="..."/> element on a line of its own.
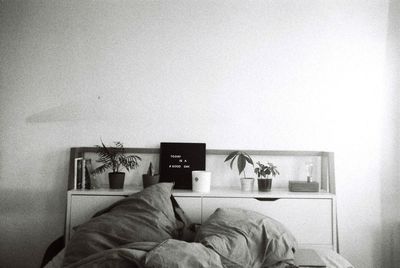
<point x="83" y="176"/>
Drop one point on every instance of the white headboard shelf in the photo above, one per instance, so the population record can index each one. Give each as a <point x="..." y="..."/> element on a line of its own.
<point x="326" y="160"/>
<point x="310" y="216"/>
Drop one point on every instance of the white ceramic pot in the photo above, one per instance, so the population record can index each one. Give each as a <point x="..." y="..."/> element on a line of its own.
<point x="247" y="184"/>
<point x="201" y="181"/>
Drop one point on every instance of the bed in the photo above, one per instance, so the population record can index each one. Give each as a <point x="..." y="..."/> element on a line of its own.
<point x="150" y="229"/>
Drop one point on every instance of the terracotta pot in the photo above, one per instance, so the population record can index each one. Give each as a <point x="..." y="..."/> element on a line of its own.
<point x="149" y="180"/>
<point x="264" y="185"/>
<point x="116" y="180"/>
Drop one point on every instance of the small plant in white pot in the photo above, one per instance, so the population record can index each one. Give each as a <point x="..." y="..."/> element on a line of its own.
<point x="242" y="159"/>
<point x="115" y="158"/>
<point x="263" y="172"/>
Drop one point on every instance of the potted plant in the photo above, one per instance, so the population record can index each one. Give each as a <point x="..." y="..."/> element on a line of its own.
<point x="114" y="158"/>
<point x="263" y="172"/>
<point x="242" y="159"/>
<point x="150" y="178"/>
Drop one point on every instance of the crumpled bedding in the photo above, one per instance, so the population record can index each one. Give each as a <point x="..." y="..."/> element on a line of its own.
<point x="330" y="258"/>
<point x="246" y="238"/>
<point x="147" y="216"/>
<point x="142" y="230"/>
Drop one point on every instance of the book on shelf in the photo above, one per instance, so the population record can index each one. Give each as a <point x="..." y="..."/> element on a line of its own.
<point x="83" y="176"/>
<point x="88" y="174"/>
<point x="78" y="173"/>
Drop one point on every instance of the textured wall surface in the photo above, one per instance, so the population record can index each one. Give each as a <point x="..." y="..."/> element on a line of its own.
<point x="295" y="75"/>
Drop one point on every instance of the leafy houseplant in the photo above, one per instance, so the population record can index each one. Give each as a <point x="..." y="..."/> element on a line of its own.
<point x="115" y="158"/>
<point x="242" y="159"/>
<point x="150" y="178"/>
<point x="263" y="172"/>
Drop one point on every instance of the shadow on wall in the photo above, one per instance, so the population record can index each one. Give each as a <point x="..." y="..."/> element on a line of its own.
<point x="71" y="111"/>
<point x="390" y="233"/>
<point x="30" y="221"/>
<point x="33" y="196"/>
<point x="30" y="203"/>
<point x="394" y="231"/>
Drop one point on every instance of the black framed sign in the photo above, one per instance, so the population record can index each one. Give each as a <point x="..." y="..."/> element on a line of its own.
<point x="177" y="160"/>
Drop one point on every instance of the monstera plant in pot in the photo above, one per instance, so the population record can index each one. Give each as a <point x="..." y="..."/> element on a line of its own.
<point x="115" y="158"/>
<point x="263" y="172"/>
<point x="242" y="158"/>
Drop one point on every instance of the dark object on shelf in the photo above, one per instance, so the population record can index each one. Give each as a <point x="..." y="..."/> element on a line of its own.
<point x="303" y="186"/>
<point x="78" y="176"/>
<point x="88" y="174"/>
<point x="264" y="185"/>
<point x="116" y="180"/>
<point x="178" y="160"/>
<point x="150" y="178"/>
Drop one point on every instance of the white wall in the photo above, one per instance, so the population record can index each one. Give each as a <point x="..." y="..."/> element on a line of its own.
<point x="390" y="139"/>
<point x="297" y="75"/>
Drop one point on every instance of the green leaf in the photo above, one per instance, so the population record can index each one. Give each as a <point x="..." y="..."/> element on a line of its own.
<point x="233" y="159"/>
<point x="241" y="163"/>
<point x="105" y="149"/>
<point x="231" y="155"/>
<point x="248" y="159"/>
<point x="101" y="169"/>
<point x="114" y="158"/>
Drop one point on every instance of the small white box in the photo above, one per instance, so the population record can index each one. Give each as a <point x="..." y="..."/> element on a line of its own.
<point x="201" y="181"/>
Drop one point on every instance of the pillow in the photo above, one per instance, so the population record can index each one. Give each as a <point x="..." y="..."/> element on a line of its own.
<point x="144" y="216"/>
<point x="246" y="238"/>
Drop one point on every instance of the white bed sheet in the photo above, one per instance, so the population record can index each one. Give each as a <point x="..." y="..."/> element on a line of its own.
<point x="333" y="259"/>
<point x="330" y="257"/>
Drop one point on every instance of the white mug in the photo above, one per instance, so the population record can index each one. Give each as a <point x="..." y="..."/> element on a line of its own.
<point x="201" y="181"/>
